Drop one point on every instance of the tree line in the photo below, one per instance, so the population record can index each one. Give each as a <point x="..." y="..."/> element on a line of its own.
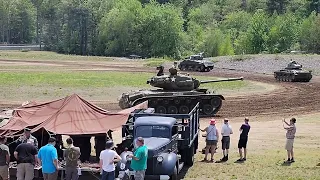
<point x="171" y="28"/>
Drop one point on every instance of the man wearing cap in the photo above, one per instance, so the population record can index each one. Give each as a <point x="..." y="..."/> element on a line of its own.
<point x="139" y="159"/>
<point x="290" y="135"/>
<point x="28" y="138"/>
<point x="4" y="159"/>
<point x="107" y="159"/>
<point x="48" y="157"/>
<point x="226" y="130"/>
<point x="71" y="155"/>
<point x="244" y="129"/>
<point x="211" y="139"/>
<point x="26" y="156"/>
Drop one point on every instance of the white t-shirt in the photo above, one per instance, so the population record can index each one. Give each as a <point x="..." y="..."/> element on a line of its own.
<point x="107" y="156"/>
<point x="226" y="130"/>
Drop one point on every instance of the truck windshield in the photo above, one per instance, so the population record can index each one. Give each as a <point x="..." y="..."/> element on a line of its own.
<point x="152" y="131"/>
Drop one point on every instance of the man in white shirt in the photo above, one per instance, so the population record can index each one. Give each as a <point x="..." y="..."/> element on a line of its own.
<point x="107" y="159"/>
<point x="226" y="130"/>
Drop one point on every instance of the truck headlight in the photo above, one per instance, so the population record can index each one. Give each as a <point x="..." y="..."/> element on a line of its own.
<point x="159" y="158"/>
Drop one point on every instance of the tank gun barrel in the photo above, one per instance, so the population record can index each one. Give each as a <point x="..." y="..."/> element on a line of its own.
<point x="221" y="80"/>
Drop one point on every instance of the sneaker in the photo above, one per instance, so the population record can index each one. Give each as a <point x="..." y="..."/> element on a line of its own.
<point x="240" y="160"/>
<point x="212" y="160"/>
<point x="223" y="159"/>
<point x="292" y="160"/>
<point x="204" y="160"/>
<point x="244" y="159"/>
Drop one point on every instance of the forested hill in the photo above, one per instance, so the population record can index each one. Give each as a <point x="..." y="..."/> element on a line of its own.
<point x="171" y="28"/>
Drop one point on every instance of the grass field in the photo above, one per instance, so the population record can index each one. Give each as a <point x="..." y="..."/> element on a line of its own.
<point x="46" y="55"/>
<point x="94" y="85"/>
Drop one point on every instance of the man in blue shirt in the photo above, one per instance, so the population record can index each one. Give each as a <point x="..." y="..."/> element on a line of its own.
<point x="48" y="158"/>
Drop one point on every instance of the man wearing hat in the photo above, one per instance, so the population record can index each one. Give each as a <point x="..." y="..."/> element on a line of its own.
<point x="211" y="139"/>
<point x="107" y="159"/>
<point x="226" y="131"/>
<point x="28" y="138"/>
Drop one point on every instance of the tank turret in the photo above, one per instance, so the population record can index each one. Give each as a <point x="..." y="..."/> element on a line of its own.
<point x="294" y="65"/>
<point x="181" y="82"/>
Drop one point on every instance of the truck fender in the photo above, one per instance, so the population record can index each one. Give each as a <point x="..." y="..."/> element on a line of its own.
<point x="168" y="163"/>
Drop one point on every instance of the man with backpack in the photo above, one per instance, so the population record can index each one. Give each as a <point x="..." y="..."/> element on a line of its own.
<point x="71" y="155"/>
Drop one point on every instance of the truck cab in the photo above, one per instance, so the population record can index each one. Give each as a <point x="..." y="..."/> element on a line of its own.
<point x="172" y="141"/>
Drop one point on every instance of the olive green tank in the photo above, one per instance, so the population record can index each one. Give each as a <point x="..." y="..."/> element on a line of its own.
<point x="293" y="73"/>
<point x="176" y="94"/>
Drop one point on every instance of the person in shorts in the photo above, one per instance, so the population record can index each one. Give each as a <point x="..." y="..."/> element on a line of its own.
<point x="226" y="131"/>
<point x="4" y="159"/>
<point x="290" y="135"/>
<point x="211" y="139"/>
<point x="242" y="144"/>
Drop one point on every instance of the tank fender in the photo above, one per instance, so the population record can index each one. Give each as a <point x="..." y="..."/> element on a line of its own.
<point x="167" y="165"/>
<point x="221" y="97"/>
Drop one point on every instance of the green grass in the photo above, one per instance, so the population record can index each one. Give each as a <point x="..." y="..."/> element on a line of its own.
<point x="154" y="62"/>
<point x="262" y="165"/>
<point x="46" y="55"/>
<point x="92" y="79"/>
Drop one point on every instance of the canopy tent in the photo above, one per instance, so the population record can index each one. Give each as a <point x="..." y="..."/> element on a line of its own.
<point x="71" y="115"/>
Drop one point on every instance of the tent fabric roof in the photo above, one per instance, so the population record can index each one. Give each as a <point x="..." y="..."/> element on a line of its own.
<point x="71" y="115"/>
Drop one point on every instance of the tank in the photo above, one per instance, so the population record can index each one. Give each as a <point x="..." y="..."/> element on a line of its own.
<point x="176" y="94"/>
<point x="196" y="63"/>
<point x="293" y="73"/>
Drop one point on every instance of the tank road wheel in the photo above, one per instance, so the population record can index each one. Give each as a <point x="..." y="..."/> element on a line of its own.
<point x="153" y="102"/>
<point x="165" y="101"/>
<point x="207" y="109"/>
<point x="202" y="68"/>
<point x="172" y="110"/>
<point x="216" y="102"/>
<point x="290" y="78"/>
<point x="188" y="101"/>
<point x="183" y="109"/>
<point x="177" y="101"/>
<point x="161" y="110"/>
<point x="286" y="77"/>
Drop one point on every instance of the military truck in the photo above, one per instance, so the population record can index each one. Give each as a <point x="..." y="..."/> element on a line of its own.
<point x="172" y="141"/>
<point x="195" y="63"/>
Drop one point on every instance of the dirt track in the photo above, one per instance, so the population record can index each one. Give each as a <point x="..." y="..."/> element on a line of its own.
<point x="292" y="99"/>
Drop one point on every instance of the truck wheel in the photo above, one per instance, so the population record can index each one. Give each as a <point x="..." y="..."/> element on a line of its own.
<point x="174" y="176"/>
<point x="190" y="156"/>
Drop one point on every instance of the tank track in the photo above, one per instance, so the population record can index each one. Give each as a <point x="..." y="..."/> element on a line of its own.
<point x="200" y="68"/>
<point x="210" y="104"/>
<point x="286" y="77"/>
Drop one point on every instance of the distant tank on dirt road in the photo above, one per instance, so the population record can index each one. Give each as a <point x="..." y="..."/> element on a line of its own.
<point x="196" y="63"/>
<point x="293" y="73"/>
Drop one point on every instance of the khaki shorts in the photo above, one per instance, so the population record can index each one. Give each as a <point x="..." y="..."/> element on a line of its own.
<point x="4" y="172"/>
<point x="289" y="144"/>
